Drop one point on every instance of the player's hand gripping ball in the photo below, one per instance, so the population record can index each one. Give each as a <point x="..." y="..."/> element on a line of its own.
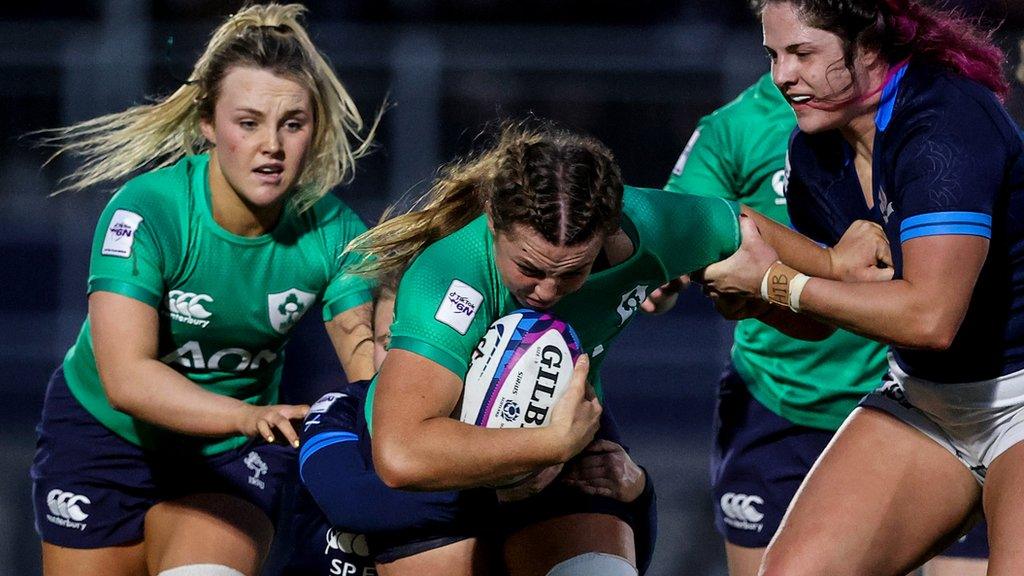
<point x="519" y="370"/>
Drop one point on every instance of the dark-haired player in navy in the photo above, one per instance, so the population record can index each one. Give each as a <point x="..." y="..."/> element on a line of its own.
<point x="901" y="124"/>
<point x="349" y="522"/>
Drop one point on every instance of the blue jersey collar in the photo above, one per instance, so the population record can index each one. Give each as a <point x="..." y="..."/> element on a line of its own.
<point x="888" y="102"/>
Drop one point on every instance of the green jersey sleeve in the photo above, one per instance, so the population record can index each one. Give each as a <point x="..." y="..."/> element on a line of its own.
<point x="685" y="232"/>
<point x="345" y="290"/>
<point x="448" y="297"/>
<point x="131" y="243"/>
<point x="703" y="169"/>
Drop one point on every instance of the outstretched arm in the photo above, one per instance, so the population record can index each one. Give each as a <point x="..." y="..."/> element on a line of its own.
<point x="923" y="309"/>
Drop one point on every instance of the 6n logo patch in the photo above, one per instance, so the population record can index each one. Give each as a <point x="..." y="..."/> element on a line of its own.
<point x="286" y="308"/>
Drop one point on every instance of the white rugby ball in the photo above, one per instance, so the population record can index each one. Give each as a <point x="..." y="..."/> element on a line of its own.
<point x="519" y="370"/>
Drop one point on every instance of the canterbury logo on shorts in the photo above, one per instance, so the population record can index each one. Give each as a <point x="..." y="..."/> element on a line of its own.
<point x="67" y="509"/>
<point x="740" y="511"/>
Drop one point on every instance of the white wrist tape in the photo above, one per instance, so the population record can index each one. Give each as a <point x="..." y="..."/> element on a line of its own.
<point x="764" y="283"/>
<point x="796" y="287"/>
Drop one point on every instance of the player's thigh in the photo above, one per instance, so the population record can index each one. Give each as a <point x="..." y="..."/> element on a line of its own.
<point x="535" y="549"/>
<point x="948" y="566"/>
<point x="126" y="560"/>
<point x="882" y="498"/>
<point x="469" y="557"/>
<point x="207" y="529"/>
<point x="1004" y="500"/>
<point x="743" y="561"/>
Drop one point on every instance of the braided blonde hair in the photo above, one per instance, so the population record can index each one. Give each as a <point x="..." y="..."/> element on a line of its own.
<point x="565" y="186"/>
<point x="155" y="135"/>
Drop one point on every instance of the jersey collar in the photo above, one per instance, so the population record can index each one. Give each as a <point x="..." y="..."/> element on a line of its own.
<point x="888" y="101"/>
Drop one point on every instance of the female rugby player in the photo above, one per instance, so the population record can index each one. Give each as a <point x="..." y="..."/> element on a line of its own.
<point x="540" y="219"/>
<point x="155" y="453"/>
<point x="780" y="399"/>
<point x="901" y="123"/>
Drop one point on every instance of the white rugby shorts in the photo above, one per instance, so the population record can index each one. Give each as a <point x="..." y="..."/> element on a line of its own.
<point x="975" y="421"/>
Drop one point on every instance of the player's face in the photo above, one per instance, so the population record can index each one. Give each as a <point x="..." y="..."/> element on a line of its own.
<point x="537" y="272"/>
<point x="261" y="129"/>
<point x="383" y="316"/>
<point x="808" y="67"/>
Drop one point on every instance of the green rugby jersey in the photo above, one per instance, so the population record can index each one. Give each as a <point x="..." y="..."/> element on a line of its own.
<point x="453" y="290"/>
<point x="739" y="153"/>
<point x="226" y="302"/>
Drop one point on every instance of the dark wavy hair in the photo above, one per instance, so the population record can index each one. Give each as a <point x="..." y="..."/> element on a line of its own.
<point x="907" y="29"/>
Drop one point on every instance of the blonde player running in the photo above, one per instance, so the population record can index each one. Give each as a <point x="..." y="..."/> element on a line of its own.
<point x="156" y="451"/>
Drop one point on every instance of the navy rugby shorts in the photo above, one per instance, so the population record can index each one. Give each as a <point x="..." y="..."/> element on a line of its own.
<point x="758" y="461"/>
<point x="92" y="489"/>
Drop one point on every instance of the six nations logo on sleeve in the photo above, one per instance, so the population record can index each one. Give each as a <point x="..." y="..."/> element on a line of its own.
<point x="121" y="234"/>
<point x="458" y="306"/>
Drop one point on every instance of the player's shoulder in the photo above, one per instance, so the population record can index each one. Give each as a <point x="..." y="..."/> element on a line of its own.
<point x="935" y="100"/>
<point x="758" y="104"/>
<point x="465" y="254"/>
<point x="162" y="189"/>
<point x="332" y="215"/>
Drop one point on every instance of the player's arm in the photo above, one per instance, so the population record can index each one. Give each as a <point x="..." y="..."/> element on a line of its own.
<point x="124" y="333"/>
<point x="352" y="337"/>
<point x="924" y="309"/>
<point x="354" y="497"/>
<point x="799" y="326"/>
<point x="417" y="445"/>
<point x="704" y="171"/>
<point x="857" y="257"/>
<point x="344" y="486"/>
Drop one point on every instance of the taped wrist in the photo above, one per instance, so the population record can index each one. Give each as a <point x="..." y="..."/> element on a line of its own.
<point x="782" y="286"/>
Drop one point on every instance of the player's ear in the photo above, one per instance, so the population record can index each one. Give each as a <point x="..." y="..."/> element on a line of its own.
<point x="206" y="127"/>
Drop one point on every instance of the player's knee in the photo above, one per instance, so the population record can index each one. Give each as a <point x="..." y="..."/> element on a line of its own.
<point x="593" y="564"/>
<point x="201" y="570"/>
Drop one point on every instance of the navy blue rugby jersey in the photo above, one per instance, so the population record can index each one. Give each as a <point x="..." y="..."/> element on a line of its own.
<point x="948" y="159"/>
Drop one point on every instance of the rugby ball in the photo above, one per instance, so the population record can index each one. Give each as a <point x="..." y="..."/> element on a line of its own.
<point x="519" y="370"/>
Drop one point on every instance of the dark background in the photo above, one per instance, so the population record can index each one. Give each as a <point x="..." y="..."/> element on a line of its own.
<point x="637" y="75"/>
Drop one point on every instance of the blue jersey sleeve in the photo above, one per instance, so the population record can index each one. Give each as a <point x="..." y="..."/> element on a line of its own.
<point x="946" y="173"/>
<point x="341" y="479"/>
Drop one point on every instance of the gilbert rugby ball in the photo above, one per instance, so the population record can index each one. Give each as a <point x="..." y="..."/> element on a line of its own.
<point x="519" y="370"/>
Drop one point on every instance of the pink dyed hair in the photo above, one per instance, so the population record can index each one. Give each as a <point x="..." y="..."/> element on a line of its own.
<point x="947" y="39"/>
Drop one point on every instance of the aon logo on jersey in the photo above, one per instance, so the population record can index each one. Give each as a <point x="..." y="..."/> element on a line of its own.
<point x="190" y="355"/>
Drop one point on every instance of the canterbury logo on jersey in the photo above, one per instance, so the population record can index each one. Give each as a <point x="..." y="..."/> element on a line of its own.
<point x="740" y="511"/>
<point x="190" y="355"/>
<point x="347" y="542"/>
<point x="66" y="509"/>
<point x="188" y="307"/>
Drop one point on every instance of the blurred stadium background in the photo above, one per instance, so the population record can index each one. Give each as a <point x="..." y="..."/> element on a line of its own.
<point x="638" y="75"/>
